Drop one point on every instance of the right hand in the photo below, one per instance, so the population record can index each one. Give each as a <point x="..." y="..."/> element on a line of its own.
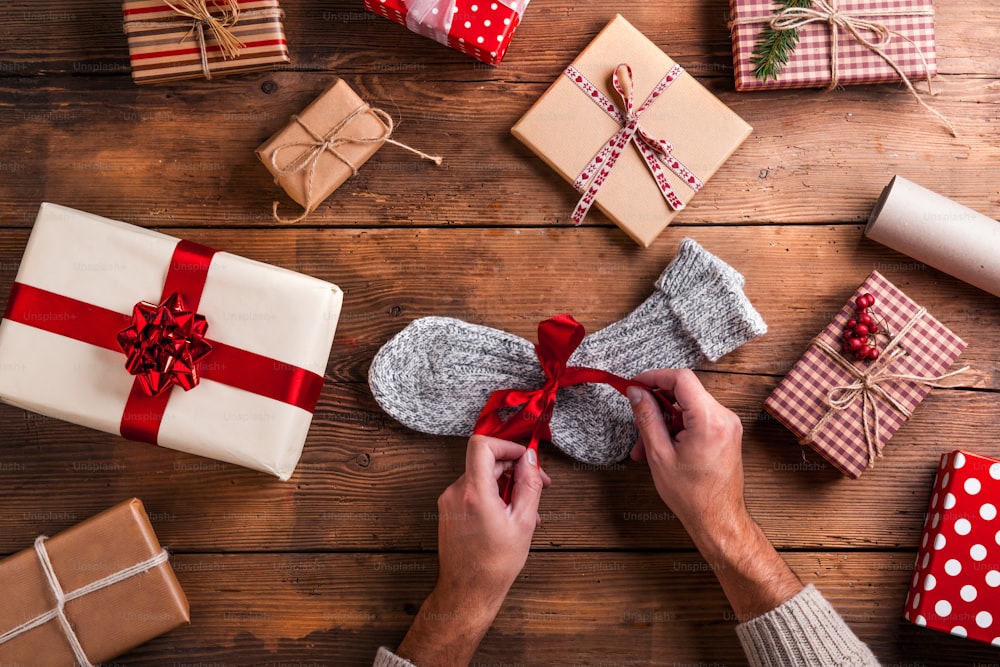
<point x="698" y="472"/>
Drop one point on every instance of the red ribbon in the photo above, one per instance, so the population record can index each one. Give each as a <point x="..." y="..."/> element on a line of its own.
<point x="231" y="366"/>
<point x="656" y="152"/>
<point x="558" y="338"/>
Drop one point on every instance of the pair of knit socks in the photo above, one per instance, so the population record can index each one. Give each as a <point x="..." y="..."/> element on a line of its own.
<point x="436" y="374"/>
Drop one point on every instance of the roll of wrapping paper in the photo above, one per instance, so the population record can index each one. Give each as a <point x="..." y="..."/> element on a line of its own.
<point x="939" y="232"/>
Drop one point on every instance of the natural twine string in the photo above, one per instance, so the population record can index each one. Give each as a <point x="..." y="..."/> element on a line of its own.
<point x="197" y="11"/>
<point x="827" y="11"/>
<point x="309" y="160"/>
<point x="868" y="385"/>
<point x="58" y="612"/>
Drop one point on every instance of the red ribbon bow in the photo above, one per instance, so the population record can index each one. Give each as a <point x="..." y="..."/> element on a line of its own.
<point x="163" y="344"/>
<point x="558" y="338"/>
<point x="656" y="152"/>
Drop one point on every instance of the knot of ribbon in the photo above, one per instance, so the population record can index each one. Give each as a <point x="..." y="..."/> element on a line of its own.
<point x="558" y="338"/>
<point x="868" y="384"/>
<point x="855" y="22"/>
<point x="62" y="597"/>
<point x="198" y="11"/>
<point x="657" y="153"/>
<point x="329" y="142"/>
<point x="163" y="345"/>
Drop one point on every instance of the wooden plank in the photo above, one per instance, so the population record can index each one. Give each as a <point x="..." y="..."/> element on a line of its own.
<point x="366" y="483"/>
<point x="656" y="609"/>
<point x="797" y="277"/>
<point x="49" y="37"/>
<point x="150" y="157"/>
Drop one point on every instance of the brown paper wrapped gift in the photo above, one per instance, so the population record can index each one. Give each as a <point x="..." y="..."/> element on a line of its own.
<point x="325" y="144"/>
<point x="847" y="410"/>
<point x="201" y="39"/>
<point x="106" y="622"/>
<point x="692" y="131"/>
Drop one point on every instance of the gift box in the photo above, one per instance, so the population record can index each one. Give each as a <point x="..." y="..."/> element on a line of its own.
<point x="193" y="39"/>
<point x="956" y="577"/>
<point x="848" y="409"/>
<point x="324" y="145"/>
<point x="482" y="30"/>
<point x="133" y="332"/>
<point x="633" y="132"/>
<point x="828" y="54"/>
<point x="117" y="586"/>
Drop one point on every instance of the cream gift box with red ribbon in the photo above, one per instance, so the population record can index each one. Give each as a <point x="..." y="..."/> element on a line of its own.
<point x="633" y="132"/>
<point x="269" y="330"/>
<point x="481" y="29"/>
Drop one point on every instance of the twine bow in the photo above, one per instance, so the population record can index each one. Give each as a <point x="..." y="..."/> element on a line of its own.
<point x="329" y="143"/>
<point x="868" y="384"/>
<point x="656" y="152"/>
<point x="220" y="26"/>
<point x="855" y="22"/>
<point x="62" y="597"/>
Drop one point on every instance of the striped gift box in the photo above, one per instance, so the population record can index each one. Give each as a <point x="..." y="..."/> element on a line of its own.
<point x="164" y="45"/>
<point x="911" y="23"/>
<point x="802" y="401"/>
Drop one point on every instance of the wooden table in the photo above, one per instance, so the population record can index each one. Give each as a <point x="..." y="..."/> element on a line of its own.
<point x="323" y="569"/>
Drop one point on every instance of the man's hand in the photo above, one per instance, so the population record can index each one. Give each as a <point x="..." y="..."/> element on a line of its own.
<point x="699" y="475"/>
<point x="483" y="544"/>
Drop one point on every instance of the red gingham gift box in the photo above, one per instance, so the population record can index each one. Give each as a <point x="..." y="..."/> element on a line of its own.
<point x="956" y="578"/>
<point x="478" y="28"/>
<point x="853" y="433"/>
<point x="911" y="34"/>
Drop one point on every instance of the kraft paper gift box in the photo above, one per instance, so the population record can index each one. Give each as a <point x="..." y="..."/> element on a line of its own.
<point x="76" y="316"/>
<point x="956" y="577"/>
<point x="118" y="587"/>
<point x="847" y="410"/>
<point x="910" y="26"/>
<point x="195" y="39"/>
<point x="300" y="162"/>
<point x="482" y="30"/>
<point x="576" y="127"/>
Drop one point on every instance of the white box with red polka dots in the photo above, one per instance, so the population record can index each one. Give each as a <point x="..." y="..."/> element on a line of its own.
<point x="956" y="578"/>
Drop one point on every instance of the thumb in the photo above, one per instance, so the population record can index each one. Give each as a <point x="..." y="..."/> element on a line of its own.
<point x="648" y="418"/>
<point x="528" y="487"/>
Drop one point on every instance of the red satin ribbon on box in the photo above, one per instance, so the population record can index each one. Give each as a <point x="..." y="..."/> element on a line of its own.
<point x="558" y="338"/>
<point x="656" y="152"/>
<point x="227" y="365"/>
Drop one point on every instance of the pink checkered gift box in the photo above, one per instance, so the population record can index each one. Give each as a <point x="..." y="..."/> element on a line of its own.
<point x="909" y="43"/>
<point x="847" y="410"/>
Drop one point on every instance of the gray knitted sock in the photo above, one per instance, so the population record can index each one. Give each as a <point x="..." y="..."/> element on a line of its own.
<point x="436" y="374"/>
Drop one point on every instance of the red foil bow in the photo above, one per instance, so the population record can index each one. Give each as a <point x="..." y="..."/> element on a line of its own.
<point x="163" y="344"/>
<point x="558" y="338"/>
<point x="656" y="152"/>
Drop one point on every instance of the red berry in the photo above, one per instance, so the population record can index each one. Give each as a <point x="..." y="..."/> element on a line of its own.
<point x="861" y="302"/>
<point x="855" y="343"/>
<point x="862" y="330"/>
<point x="873" y="353"/>
<point x="852" y="323"/>
<point x="873" y="328"/>
<point x="865" y="319"/>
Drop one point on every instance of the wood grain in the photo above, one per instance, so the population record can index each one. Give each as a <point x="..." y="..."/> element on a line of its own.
<point x="323" y="569"/>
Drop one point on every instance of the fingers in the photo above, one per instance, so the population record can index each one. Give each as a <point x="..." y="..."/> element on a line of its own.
<point x="484" y="453"/>
<point x="638" y="452"/>
<point x="649" y="420"/>
<point x="681" y="383"/>
<point x="527" y="487"/>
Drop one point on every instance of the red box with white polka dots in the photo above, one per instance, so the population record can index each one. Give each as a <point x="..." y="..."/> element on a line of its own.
<point x="956" y="579"/>
<point x="478" y="28"/>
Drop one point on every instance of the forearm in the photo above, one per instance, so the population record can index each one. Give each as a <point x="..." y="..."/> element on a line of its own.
<point x="446" y="631"/>
<point x="752" y="574"/>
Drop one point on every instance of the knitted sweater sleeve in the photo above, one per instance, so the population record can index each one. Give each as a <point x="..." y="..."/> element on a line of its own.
<point x="806" y="631"/>
<point x="386" y="658"/>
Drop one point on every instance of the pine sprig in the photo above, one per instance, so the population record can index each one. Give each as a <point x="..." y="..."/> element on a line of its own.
<point x="776" y="46"/>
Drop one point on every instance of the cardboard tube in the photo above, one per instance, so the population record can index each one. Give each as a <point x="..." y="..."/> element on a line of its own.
<point x="939" y="232"/>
